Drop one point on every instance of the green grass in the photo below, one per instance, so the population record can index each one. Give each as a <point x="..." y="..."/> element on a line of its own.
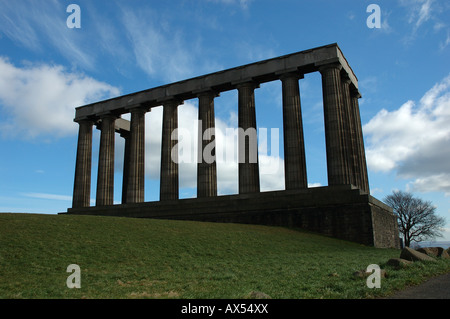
<point x="142" y="258"/>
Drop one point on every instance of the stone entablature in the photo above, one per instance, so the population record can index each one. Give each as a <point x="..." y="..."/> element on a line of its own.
<point x="260" y="72"/>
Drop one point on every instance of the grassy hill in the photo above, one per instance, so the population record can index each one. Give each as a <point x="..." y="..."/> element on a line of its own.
<point x="142" y="258"/>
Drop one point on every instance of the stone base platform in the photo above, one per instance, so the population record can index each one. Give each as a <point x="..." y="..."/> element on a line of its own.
<point x="343" y="212"/>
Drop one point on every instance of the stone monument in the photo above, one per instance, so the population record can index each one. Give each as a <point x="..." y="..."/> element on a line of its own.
<point x="343" y="209"/>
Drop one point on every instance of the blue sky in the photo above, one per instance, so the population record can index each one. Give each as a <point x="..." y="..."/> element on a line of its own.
<point x="47" y="69"/>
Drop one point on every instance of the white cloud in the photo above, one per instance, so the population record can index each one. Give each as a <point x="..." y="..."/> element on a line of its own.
<point x="41" y="99"/>
<point x="433" y="183"/>
<point x="271" y="170"/>
<point x="414" y="139"/>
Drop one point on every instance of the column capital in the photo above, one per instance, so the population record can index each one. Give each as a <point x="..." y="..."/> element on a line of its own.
<point x="173" y="102"/>
<point x="325" y="67"/>
<point x="354" y="92"/>
<point x="293" y="74"/>
<point x="345" y="79"/>
<point x="87" y="121"/>
<point x="246" y="84"/>
<point x="105" y="116"/>
<point x="140" y="109"/>
<point x="108" y="115"/>
<point x="208" y="93"/>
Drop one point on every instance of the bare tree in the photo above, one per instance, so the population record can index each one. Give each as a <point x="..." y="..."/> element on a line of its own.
<point x="417" y="219"/>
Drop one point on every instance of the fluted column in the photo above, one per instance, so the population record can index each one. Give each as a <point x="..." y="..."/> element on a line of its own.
<point x="136" y="158"/>
<point x="360" y="151"/>
<point x="349" y="137"/>
<point x="126" y="165"/>
<point x="105" y="177"/>
<point x="82" y="183"/>
<point x="206" y="168"/>
<point x="169" y="152"/>
<point x="248" y="143"/>
<point x="333" y="117"/>
<point x="294" y="145"/>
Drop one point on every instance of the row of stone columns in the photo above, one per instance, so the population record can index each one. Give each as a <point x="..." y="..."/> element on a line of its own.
<point x="344" y="144"/>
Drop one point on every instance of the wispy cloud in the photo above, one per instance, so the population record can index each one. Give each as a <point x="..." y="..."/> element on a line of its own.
<point x="369" y="84"/>
<point x="385" y="25"/>
<point x="159" y="49"/>
<point x="53" y="197"/>
<point x="17" y="27"/>
<point x="421" y="13"/>
<point x="445" y="42"/>
<point x="39" y="24"/>
<point x="128" y="36"/>
<point x="48" y="196"/>
<point x="244" y="4"/>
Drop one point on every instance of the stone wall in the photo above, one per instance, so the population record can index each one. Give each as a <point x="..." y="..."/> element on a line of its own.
<point x="385" y="227"/>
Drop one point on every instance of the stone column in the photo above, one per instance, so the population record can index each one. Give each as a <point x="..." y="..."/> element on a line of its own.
<point x="248" y="142"/>
<point x="82" y="183"/>
<point x="360" y="151"/>
<point x="136" y="162"/>
<point x="206" y="168"/>
<point x="126" y="165"/>
<point x="333" y="109"/>
<point x="169" y="152"/>
<point x="105" y="177"/>
<point x="349" y="138"/>
<point x="294" y="145"/>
